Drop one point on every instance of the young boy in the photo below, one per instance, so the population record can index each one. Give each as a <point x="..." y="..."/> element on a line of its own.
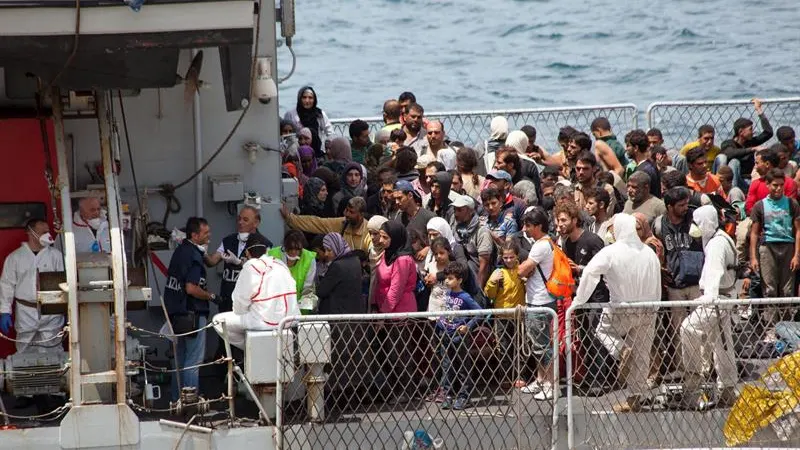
<point x="776" y="225"/>
<point x="500" y="225"/>
<point x="456" y="363"/>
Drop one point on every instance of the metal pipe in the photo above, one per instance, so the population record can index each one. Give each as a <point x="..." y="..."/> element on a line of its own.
<point x="183" y="426"/>
<point x="231" y="402"/>
<point x="252" y="393"/>
<point x="315" y="402"/>
<point x="69" y="249"/>
<point x="117" y="249"/>
<point x="198" y="151"/>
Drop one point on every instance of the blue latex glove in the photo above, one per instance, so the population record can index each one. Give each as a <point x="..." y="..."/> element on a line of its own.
<point x="5" y="323"/>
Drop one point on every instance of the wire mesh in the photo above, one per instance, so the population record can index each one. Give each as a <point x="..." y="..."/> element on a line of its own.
<point x="370" y="381"/>
<point x="679" y="121"/>
<point x="472" y="127"/>
<point x="684" y="374"/>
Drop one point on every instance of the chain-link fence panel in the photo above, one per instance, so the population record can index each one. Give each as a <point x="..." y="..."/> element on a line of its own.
<point x="463" y="379"/>
<point x="684" y="374"/>
<point x="472" y="127"/>
<point x="679" y="121"/>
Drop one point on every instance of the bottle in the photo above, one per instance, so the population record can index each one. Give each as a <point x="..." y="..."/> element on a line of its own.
<point x="780" y="347"/>
<point x="135" y="5"/>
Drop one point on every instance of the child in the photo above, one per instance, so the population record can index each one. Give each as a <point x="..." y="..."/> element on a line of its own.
<point x="456" y="363"/>
<point x="506" y="290"/>
<point x="441" y="251"/>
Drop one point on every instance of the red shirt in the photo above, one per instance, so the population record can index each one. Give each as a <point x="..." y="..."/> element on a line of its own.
<point x="759" y="191"/>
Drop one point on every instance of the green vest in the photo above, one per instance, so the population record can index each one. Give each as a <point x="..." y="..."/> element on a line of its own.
<point x="300" y="269"/>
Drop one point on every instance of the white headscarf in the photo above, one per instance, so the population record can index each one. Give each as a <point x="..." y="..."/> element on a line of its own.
<point x="498" y="128"/>
<point x="441" y="225"/>
<point x="518" y="140"/>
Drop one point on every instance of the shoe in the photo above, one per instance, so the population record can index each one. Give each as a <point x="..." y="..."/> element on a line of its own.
<point x="447" y="403"/>
<point x="460" y="403"/>
<point x="546" y="392"/>
<point x="436" y="396"/>
<point x="533" y="388"/>
<point x="632" y="404"/>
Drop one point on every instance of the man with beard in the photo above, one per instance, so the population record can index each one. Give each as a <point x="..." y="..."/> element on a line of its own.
<point x="586" y="180"/>
<point x="382" y="202"/>
<point x="640" y="199"/>
<point x="474" y="237"/>
<point x="578" y="143"/>
<point x="415" y="134"/>
<point x="580" y="246"/>
<point x="641" y="156"/>
<point x="412" y="214"/>
<point x="352" y="226"/>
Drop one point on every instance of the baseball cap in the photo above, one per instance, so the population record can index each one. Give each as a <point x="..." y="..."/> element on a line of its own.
<point x="403" y="186"/>
<point x="499" y="175"/>
<point x="463" y="200"/>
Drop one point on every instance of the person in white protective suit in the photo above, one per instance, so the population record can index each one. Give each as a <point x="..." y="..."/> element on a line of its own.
<point x="265" y="293"/>
<point x="707" y="330"/>
<point x="90" y="227"/>
<point x="18" y="283"/>
<point x="633" y="274"/>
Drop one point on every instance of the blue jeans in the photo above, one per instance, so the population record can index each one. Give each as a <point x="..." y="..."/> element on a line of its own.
<point x="789" y="332"/>
<point x="456" y="365"/>
<point x="736" y="168"/>
<point x="191" y="351"/>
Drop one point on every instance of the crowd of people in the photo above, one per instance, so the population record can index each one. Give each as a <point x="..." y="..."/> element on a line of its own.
<point x="410" y="219"/>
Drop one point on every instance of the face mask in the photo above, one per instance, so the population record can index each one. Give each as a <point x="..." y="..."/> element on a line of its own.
<point x="610" y="237"/>
<point x="94" y="223"/>
<point x="695" y="231"/>
<point x="46" y="240"/>
<point x="243" y="237"/>
<point x="292" y="258"/>
<point x="203" y="248"/>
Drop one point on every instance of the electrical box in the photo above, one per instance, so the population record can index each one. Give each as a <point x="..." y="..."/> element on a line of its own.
<point x="289" y="193"/>
<point x="261" y="357"/>
<point x="228" y="188"/>
<point x="314" y="342"/>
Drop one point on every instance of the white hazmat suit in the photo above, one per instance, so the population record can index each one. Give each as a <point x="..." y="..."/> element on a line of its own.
<point x="632" y="273"/>
<point x="700" y="331"/>
<point x="265" y="293"/>
<point x="19" y="281"/>
<point x="89" y="240"/>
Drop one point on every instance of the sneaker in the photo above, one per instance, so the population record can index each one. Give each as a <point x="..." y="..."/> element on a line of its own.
<point x="447" y="403"/>
<point x="461" y="403"/>
<point x="545" y="393"/>
<point x="533" y="388"/>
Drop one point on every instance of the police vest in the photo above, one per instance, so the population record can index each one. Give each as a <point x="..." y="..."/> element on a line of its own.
<point x="230" y="272"/>
<point x="185" y="258"/>
<point x="300" y="270"/>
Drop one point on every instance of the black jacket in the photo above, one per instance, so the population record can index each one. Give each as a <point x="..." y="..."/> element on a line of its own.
<point x="528" y="170"/>
<point x="734" y="150"/>
<point x="339" y="291"/>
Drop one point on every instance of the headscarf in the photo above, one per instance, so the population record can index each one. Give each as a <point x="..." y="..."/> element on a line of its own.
<point x="498" y="129"/>
<point x="305" y="132"/>
<point x="310" y="117"/>
<point x="361" y="189"/>
<point x="306" y="151"/>
<point x="375" y="222"/>
<point x="647" y="235"/>
<point x="439" y="224"/>
<point x="373" y="158"/>
<point x="399" y="241"/>
<point x="335" y="243"/>
<point x="312" y="205"/>
<point x="518" y="140"/>
<point x="340" y="150"/>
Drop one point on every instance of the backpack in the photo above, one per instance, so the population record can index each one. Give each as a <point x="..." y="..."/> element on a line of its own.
<point x="561" y="284"/>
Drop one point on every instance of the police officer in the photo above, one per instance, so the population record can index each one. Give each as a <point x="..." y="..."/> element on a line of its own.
<point x="231" y="251"/>
<point x="18" y="284"/>
<point x="186" y="299"/>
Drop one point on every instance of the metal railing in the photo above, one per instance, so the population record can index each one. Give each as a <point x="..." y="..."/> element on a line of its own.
<point x="683" y="374"/>
<point x="679" y="120"/>
<point x="373" y="380"/>
<point x="472" y="127"/>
